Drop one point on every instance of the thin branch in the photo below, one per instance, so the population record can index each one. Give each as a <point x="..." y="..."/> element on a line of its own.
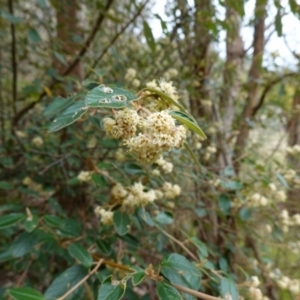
<point x="2" y="105"/>
<point x="14" y="64"/>
<point x="117" y="36"/>
<point x="89" y="40"/>
<point x="81" y="281"/>
<point x="197" y="294"/>
<point x="267" y="89"/>
<point x="180" y="244"/>
<point x="53" y="164"/>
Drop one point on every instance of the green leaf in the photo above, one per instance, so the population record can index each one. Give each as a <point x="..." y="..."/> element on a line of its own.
<point x="145" y="216"/>
<point x="166" y="291"/>
<point x="31" y="223"/>
<point x="26" y="241"/>
<point x="109" y="97"/>
<point x="201" y="246"/>
<point x="133" y="169"/>
<point x="69" y="116"/>
<point x="188" y="121"/>
<point x="166" y="98"/>
<point x="33" y="35"/>
<point x="179" y="270"/>
<point x="138" y="276"/>
<point x="228" y="287"/>
<point x="81" y="254"/>
<point x="6" y="185"/>
<point x="10" y="220"/>
<point x="149" y="36"/>
<point x="293" y="5"/>
<point x="25" y="293"/>
<point x="60" y="58"/>
<point x="278" y="22"/>
<point x="163" y="24"/>
<point x="9" y="17"/>
<point x="53" y="221"/>
<point x="65" y="282"/>
<point x="192" y="154"/>
<point x="57" y="105"/>
<point x="164" y="218"/>
<point x="245" y="213"/>
<point x="121" y="222"/>
<point x="104" y="247"/>
<point x="111" y="290"/>
<point x="99" y="179"/>
<point x="282" y="180"/>
<point x="231" y="185"/>
<point x="224" y="204"/>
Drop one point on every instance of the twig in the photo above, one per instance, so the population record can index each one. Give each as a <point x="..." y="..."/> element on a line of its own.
<point x="81" y="281"/>
<point x="180" y="244"/>
<point x="268" y="88"/>
<point x="23" y="275"/>
<point x="53" y="163"/>
<point x="197" y="294"/>
<point x="13" y="58"/>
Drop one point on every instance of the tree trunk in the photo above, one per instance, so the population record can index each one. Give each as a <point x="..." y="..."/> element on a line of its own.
<point x="200" y="54"/>
<point x="67" y="29"/>
<point x="254" y="78"/>
<point x="294" y="139"/>
<point x="231" y="78"/>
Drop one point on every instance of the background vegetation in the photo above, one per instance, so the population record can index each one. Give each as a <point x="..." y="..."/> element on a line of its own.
<point x="227" y="231"/>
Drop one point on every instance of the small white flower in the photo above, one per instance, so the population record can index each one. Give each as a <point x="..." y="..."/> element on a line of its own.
<point x="255" y="281"/>
<point x="37" y="141"/>
<point x="272" y="187"/>
<point x="105" y="215"/>
<point x="84" y="176"/>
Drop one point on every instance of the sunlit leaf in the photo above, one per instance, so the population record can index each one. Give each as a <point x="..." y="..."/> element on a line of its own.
<point x="69" y="116"/>
<point x="109" y="97"/>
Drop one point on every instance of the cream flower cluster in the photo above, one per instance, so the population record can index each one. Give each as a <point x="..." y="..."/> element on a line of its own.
<point x="257" y="200"/>
<point x="105" y="215"/>
<point x="254" y="291"/>
<point x="289" y="175"/>
<point x="124" y="125"/>
<point x="160" y="134"/>
<point x="37" y="141"/>
<point x="134" y="196"/>
<point x="154" y="104"/>
<point x="137" y="195"/>
<point x="280" y="196"/>
<point x="167" y="167"/>
<point x="294" y="150"/>
<point x="171" y="191"/>
<point x="170" y="73"/>
<point x="130" y="76"/>
<point x="285" y="283"/>
<point x="84" y="176"/>
<point x="285" y="220"/>
<point x="294" y="247"/>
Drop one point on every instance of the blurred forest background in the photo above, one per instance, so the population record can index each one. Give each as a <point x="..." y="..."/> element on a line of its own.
<point x="236" y="220"/>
